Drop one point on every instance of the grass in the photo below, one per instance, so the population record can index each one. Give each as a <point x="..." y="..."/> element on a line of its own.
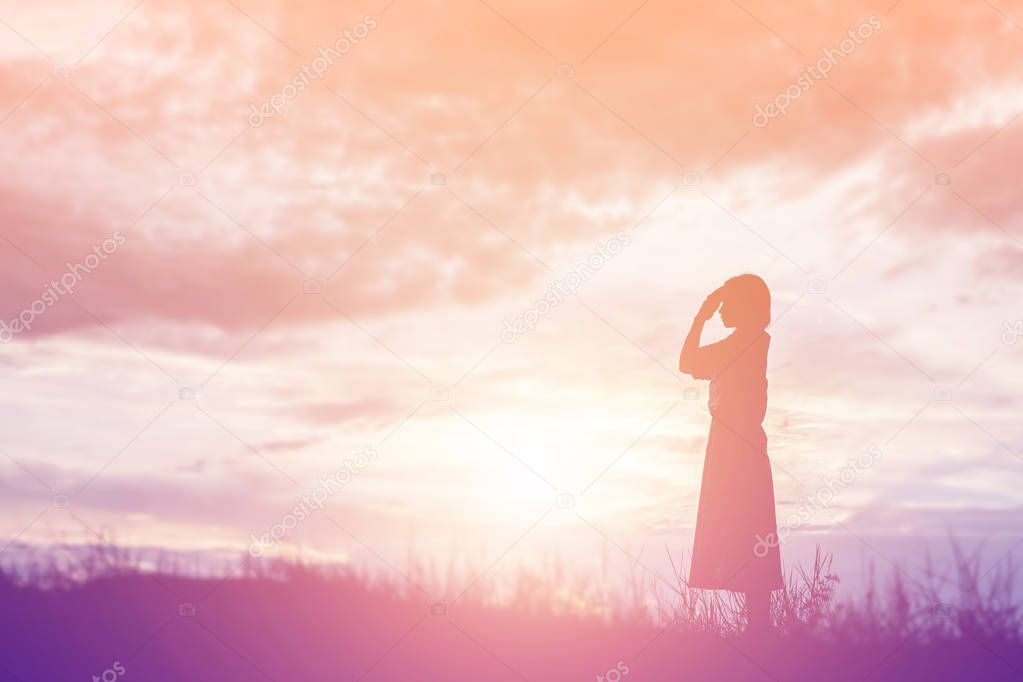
<point x="289" y="620"/>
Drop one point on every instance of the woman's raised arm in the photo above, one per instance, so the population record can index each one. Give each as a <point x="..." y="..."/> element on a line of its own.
<point x="688" y="361"/>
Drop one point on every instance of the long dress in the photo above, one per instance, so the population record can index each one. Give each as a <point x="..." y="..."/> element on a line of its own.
<point x="735" y="545"/>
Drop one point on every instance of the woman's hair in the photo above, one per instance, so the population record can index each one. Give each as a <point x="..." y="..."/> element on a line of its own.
<point x="750" y="300"/>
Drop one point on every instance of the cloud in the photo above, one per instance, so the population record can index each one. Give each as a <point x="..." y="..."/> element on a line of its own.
<point x="575" y="160"/>
<point x="288" y="445"/>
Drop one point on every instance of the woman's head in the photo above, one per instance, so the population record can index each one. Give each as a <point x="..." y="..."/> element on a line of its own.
<point x="746" y="303"/>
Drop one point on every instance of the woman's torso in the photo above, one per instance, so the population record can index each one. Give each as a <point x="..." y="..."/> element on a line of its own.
<point x="738" y="392"/>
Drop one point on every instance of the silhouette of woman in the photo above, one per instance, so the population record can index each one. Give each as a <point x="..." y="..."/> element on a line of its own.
<point x="734" y="547"/>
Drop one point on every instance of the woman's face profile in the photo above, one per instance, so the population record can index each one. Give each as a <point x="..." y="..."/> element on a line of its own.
<point x="728" y="312"/>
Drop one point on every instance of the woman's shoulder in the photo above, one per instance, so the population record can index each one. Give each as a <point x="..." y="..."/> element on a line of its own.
<point x="748" y="337"/>
<point x="751" y="343"/>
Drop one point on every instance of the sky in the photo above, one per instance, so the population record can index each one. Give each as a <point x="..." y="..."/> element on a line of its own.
<point x="309" y="237"/>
